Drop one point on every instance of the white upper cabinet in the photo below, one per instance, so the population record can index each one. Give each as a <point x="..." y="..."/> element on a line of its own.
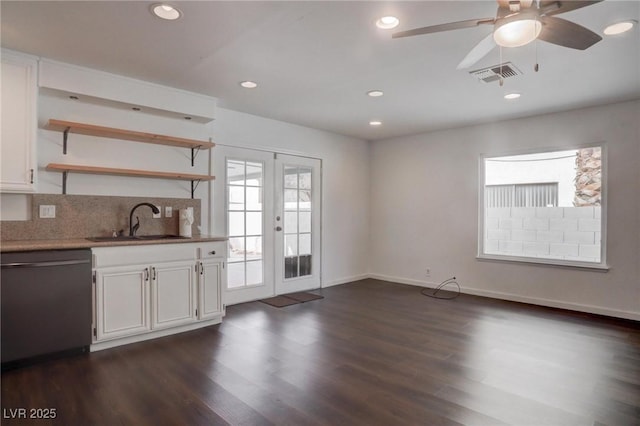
<point x="19" y="122"/>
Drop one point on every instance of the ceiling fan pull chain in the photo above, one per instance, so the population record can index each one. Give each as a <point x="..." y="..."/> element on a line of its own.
<point x="501" y="78"/>
<point x="536" y="67"/>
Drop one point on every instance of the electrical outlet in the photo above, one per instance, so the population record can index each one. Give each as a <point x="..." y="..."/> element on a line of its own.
<point x="428" y="272"/>
<point x="159" y="215"/>
<point x="168" y="211"/>
<point x="47" y="211"/>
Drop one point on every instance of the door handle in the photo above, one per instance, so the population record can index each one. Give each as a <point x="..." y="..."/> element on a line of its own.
<point x="278" y="228"/>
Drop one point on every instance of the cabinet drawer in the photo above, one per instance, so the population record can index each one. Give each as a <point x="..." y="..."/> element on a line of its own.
<point x="212" y="249"/>
<point x="144" y="254"/>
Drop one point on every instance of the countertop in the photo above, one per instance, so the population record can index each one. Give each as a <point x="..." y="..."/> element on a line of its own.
<point x="29" y="245"/>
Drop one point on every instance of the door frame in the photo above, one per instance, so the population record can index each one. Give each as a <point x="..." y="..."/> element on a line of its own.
<point x="219" y="226"/>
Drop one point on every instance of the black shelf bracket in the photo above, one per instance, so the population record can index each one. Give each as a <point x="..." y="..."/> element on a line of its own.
<point x="194" y="185"/>
<point x="64" y="182"/>
<point x="194" y="154"/>
<point x="65" y="136"/>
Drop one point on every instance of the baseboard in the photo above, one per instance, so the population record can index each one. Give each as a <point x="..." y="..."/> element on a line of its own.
<point x="591" y="309"/>
<point x="345" y="280"/>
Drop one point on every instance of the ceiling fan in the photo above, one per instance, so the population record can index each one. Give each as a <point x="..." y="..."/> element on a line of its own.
<point x="519" y="22"/>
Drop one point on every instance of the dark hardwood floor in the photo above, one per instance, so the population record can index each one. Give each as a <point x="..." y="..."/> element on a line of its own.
<point x="369" y="353"/>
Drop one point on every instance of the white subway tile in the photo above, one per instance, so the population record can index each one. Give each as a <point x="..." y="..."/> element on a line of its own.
<point x="563" y="224"/>
<point x="535" y="223"/>
<point x="597" y="212"/>
<point x="523" y="212"/>
<point x="511" y="247"/>
<point x="536" y="248"/>
<point x="579" y="237"/>
<point x="590" y="250"/>
<point x="578" y="212"/>
<point x="498" y="234"/>
<point x="598" y="236"/>
<point x="549" y="211"/>
<point x="563" y="249"/>
<point x="523" y="235"/>
<point x="551" y="236"/>
<point x="593" y="225"/>
<point x="513" y="223"/>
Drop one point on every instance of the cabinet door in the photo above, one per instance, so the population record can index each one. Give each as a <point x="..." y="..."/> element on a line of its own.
<point x="122" y="301"/>
<point x="210" y="273"/>
<point x="173" y="294"/>
<point x="19" y="125"/>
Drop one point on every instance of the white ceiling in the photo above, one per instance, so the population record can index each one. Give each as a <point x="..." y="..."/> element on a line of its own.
<point x="315" y="61"/>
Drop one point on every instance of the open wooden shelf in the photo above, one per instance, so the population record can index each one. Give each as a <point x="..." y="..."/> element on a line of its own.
<point x="55" y="167"/>
<point x="122" y="134"/>
<point x="65" y="169"/>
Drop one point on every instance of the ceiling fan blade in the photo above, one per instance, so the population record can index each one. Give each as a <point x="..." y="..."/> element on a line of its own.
<point x="444" y="27"/>
<point x="481" y="49"/>
<point x="548" y="9"/>
<point x="566" y="33"/>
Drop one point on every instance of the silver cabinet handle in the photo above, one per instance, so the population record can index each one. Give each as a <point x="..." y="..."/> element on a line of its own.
<point x="154" y="275"/>
<point x="278" y="228"/>
<point x="146" y="274"/>
<point x="213" y="252"/>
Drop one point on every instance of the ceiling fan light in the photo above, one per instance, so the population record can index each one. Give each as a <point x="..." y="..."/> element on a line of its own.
<point x="619" y="27"/>
<point x="517" y="32"/>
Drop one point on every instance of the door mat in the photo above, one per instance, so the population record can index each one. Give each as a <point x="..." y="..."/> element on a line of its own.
<point x="291" y="299"/>
<point x="304" y="296"/>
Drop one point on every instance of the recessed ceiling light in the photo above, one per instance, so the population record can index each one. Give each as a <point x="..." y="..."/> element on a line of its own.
<point x="375" y="123"/>
<point x="375" y="93"/>
<point x="249" y="84"/>
<point x="619" y="27"/>
<point x="387" y="22"/>
<point x="512" y="96"/>
<point x="166" y="11"/>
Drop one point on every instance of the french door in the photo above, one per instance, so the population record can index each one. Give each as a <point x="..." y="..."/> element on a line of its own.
<point x="269" y="206"/>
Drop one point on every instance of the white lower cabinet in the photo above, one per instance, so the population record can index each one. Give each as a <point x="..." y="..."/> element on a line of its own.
<point x="172" y="294"/>
<point x="209" y="286"/>
<point x="122" y="302"/>
<point x="142" y="292"/>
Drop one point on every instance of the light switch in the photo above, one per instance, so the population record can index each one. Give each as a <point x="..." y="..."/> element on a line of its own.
<point x="168" y="211"/>
<point x="47" y="211"/>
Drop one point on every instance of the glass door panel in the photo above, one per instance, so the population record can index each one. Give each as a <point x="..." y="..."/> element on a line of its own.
<point x="297" y="201"/>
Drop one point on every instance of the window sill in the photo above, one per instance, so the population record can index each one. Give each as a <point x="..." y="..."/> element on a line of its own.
<point x="599" y="267"/>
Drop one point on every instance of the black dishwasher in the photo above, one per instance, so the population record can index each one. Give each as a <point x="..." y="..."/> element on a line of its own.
<point x="45" y="305"/>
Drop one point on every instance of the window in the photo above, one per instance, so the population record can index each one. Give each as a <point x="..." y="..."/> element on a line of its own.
<point x="544" y="207"/>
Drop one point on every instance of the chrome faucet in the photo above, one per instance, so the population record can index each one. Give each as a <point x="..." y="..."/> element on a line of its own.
<point x="134" y="228"/>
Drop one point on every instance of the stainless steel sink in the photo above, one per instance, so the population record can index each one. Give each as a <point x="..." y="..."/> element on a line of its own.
<point x="137" y="238"/>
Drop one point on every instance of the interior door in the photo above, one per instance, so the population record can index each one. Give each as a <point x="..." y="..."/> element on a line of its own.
<point x="297" y="220"/>
<point x="243" y="210"/>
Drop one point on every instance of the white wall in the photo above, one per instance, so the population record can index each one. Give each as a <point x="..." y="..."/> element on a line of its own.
<point x="424" y="210"/>
<point x="345" y="184"/>
<point x="346" y="188"/>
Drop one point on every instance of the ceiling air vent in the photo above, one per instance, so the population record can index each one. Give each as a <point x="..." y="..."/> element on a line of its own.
<point x="494" y="72"/>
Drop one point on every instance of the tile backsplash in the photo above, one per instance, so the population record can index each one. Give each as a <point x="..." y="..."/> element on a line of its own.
<point x="81" y="216"/>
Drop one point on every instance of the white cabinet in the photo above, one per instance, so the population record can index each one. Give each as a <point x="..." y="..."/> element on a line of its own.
<point x="211" y="276"/>
<point x="173" y="294"/>
<point x="142" y="292"/>
<point x="122" y="301"/>
<point x="19" y="122"/>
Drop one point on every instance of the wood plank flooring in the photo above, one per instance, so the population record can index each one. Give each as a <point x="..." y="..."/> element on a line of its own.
<point x="369" y="353"/>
